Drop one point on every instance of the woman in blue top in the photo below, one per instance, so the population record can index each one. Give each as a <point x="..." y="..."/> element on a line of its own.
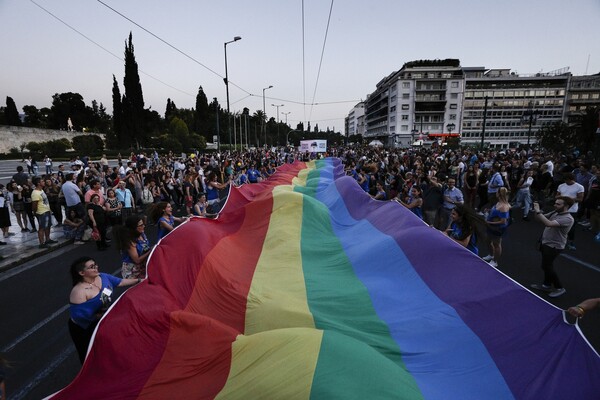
<point x="497" y="222"/>
<point x="415" y="201"/>
<point x="463" y="228"/>
<point x="134" y="246"/>
<point x="162" y="214"/>
<point x="381" y="194"/>
<point x="89" y="299"/>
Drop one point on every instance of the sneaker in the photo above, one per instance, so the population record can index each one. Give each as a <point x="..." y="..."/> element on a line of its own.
<point x="525" y="218"/>
<point x="584" y="223"/>
<point x="557" y="292"/>
<point x="3" y="243"/>
<point x="488" y="258"/>
<point x="43" y="246"/>
<point x="24" y="230"/>
<point x="541" y="286"/>
<point x="571" y="246"/>
<point x="50" y="241"/>
<point x="493" y="263"/>
<point x="78" y="242"/>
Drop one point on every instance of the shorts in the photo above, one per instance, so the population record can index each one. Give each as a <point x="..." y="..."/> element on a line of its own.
<point x="44" y="220"/>
<point x="19" y="206"/>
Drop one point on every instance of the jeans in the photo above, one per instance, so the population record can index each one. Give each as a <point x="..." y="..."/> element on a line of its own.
<point x="549" y="254"/>
<point x="524" y="199"/>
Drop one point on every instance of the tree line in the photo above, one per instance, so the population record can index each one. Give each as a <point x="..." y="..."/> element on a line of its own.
<point x="133" y="126"/>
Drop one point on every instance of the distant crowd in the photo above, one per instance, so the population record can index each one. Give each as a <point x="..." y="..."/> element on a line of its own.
<point x="471" y="195"/>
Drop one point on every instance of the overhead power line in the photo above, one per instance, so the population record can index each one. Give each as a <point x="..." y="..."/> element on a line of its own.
<point x="105" y="49"/>
<point x="321" y="61"/>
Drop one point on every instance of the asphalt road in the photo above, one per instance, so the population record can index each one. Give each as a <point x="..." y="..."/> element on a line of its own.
<point x="34" y="297"/>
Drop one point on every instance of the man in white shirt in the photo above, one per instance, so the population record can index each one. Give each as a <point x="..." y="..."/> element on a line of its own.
<point x="575" y="191"/>
<point x="73" y="196"/>
<point x="126" y="198"/>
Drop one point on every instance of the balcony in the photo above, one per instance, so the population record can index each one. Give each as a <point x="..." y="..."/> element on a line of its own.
<point x="430" y="88"/>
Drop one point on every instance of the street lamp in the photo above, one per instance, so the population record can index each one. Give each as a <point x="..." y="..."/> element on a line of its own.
<point x="265" y="114"/>
<point x="277" y="105"/>
<point x="412" y="136"/>
<point x="450" y="128"/>
<point x="530" y="114"/>
<point x="226" y="80"/>
<point x="286" y="114"/>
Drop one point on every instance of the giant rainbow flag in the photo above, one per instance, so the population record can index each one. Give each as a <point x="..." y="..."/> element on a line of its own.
<point x="305" y="287"/>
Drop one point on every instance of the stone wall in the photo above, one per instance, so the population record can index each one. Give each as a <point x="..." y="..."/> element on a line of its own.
<point x="14" y="136"/>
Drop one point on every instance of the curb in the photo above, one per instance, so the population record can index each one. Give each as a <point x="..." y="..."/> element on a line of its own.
<point x="38" y="253"/>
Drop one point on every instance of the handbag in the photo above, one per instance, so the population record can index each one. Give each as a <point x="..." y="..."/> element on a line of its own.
<point x="95" y="234"/>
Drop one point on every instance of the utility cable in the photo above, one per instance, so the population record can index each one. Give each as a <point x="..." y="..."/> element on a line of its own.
<point x="320" y="62"/>
<point x="106" y="50"/>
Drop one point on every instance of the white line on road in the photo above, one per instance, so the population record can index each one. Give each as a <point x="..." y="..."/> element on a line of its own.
<point x="41" y="375"/>
<point x="37" y="326"/>
<point x="578" y="261"/>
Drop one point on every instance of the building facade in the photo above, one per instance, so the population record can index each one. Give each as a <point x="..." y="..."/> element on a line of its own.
<point x="421" y="99"/>
<point x="355" y="121"/>
<point x="515" y="106"/>
<point x="428" y="99"/>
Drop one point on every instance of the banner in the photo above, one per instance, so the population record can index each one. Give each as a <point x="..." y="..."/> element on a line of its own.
<point x="313" y="146"/>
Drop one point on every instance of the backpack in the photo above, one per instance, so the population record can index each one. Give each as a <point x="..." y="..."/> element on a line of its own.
<point x="147" y="197"/>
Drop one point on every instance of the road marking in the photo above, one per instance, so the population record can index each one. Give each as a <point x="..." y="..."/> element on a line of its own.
<point x="37" y="326"/>
<point x="578" y="261"/>
<point x="43" y="374"/>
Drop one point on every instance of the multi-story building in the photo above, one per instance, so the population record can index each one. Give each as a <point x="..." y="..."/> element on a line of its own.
<point x="583" y="93"/>
<point x="355" y="120"/>
<point x="437" y="98"/>
<point x="422" y="98"/>
<point x="515" y="106"/>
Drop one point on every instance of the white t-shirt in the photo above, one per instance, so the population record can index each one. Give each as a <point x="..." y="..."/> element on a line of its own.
<point x="571" y="191"/>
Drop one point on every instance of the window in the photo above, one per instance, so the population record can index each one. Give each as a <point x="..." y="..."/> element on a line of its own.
<point x="454" y="95"/>
<point x="393" y="118"/>
<point x="404" y="128"/>
<point x="393" y="88"/>
<point x="453" y="116"/>
<point x="453" y="106"/>
<point x="393" y="99"/>
<point x="393" y="128"/>
<point x="405" y="117"/>
<point x="405" y="106"/>
<point x="405" y="96"/>
<point x="405" y="85"/>
<point x="454" y="84"/>
<point x="393" y="108"/>
<point x="575" y="96"/>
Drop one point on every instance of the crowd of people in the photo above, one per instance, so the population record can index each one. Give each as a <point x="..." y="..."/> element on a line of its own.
<point x="472" y="196"/>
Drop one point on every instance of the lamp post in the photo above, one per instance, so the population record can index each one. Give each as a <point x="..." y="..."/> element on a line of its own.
<point x="450" y="128"/>
<point x="286" y="114"/>
<point x="530" y="114"/>
<point x="277" y="105"/>
<point x="265" y="114"/>
<point x="226" y="80"/>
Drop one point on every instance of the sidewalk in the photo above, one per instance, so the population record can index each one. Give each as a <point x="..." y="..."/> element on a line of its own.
<point x="23" y="246"/>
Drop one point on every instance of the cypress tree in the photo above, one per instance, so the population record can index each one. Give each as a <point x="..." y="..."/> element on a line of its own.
<point x="201" y="118"/>
<point x="133" y="100"/>
<point x="11" y="114"/>
<point x="116" y="136"/>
